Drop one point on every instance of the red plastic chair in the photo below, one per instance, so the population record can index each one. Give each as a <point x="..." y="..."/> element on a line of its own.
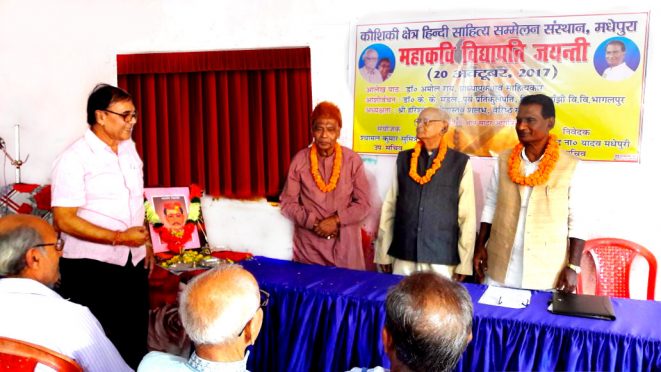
<point x="612" y="266"/>
<point x="17" y="355"/>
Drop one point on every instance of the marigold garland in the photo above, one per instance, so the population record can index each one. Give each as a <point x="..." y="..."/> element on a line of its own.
<point x="543" y="172"/>
<point x="175" y="240"/>
<point x="335" y="175"/>
<point x="435" y="165"/>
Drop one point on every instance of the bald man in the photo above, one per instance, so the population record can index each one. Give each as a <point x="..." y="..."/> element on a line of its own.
<point x="31" y="311"/>
<point x="221" y="311"/>
<point x="428" y="216"/>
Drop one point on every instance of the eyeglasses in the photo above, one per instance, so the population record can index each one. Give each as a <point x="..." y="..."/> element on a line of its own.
<point x="59" y="245"/>
<point x="263" y="301"/>
<point x="263" y="298"/>
<point x="128" y="116"/>
<point x="424" y="122"/>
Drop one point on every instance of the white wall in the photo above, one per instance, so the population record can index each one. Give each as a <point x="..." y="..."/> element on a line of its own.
<point x="53" y="53"/>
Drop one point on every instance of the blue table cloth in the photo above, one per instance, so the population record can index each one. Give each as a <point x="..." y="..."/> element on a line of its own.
<point x="329" y="319"/>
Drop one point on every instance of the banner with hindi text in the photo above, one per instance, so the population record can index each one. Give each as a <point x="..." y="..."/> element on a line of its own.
<point x="593" y="66"/>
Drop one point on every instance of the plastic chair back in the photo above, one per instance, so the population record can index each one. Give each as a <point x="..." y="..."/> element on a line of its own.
<point x="17" y="355"/>
<point x="612" y="266"/>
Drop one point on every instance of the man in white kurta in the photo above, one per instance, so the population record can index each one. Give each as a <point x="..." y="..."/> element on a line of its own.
<point x="531" y="233"/>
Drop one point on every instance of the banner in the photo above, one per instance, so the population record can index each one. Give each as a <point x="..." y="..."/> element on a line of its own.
<point x="592" y="66"/>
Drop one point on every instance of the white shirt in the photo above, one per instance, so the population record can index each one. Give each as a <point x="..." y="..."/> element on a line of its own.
<point x="619" y="72"/>
<point x="157" y="361"/>
<point x="576" y="220"/>
<point x="371" y="76"/>
<point x="107" y="189"/>
<point x="32" y="312"/>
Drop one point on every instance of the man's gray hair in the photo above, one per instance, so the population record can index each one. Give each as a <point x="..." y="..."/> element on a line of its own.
<point x="429" y="319"/>
<point x="14" y="244"/>
<point x="369" y="50"/>
<point x="215" y="316"/>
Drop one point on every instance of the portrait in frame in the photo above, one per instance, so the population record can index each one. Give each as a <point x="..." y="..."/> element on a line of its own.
<point x="172" y="205"/>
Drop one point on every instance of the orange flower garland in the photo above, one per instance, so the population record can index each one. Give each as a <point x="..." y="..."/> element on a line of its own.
<point x="435" y="165"/>
<point x="546" y="165"/>
<point x="335" y="175"/>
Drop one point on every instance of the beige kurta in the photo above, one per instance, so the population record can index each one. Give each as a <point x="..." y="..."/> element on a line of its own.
<point x="546" y="225"/>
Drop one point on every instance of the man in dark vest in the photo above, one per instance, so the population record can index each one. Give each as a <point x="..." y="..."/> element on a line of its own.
<point x="428" y="216"/>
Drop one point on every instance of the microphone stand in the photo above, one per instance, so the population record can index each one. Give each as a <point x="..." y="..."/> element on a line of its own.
<point x="15" y="162"/>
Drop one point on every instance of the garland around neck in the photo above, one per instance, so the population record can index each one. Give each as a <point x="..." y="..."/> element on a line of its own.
<point x="436" y="164"/>
<point x="314" y="168"/>
<point x="543" y="172"/>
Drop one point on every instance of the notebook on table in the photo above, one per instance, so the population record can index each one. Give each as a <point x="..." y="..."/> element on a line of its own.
<point x="598" y="307"/>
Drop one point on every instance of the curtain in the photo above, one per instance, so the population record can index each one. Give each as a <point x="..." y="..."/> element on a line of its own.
<point x="228" y="120"/>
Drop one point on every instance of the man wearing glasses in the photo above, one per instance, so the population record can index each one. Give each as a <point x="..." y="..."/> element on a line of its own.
<point x="97" y="198"/>
<point x="31" y="311"/>
<point x="428" y="216"/>
<point x="222" y="312"/>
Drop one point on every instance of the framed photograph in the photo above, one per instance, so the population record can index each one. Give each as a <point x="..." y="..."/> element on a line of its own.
<point x="172" y="205"/>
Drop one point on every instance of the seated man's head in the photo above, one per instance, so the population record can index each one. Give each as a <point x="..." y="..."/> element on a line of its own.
<point x="174" y="215"/>
<point x="221" y="311"/>
<point x="29" y="248"/>
<point x="428" y="323"/>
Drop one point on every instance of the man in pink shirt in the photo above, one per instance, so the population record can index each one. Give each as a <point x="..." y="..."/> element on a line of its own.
<point x="97" y="198"/>
<point x="326" y="195"/>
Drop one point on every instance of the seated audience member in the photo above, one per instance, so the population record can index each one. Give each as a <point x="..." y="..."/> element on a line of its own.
<point x="327" y="196"/>
<point x="31" y="311"/>
<point x="428" y="324"/>
<point x="221" y="312"/>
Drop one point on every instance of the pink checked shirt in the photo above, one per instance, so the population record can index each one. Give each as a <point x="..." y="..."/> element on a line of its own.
<point x="107" y="188"/>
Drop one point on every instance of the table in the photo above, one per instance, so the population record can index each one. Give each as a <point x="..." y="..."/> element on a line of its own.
<point x="330" y="319"/>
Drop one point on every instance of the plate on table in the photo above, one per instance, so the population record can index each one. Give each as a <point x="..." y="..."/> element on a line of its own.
<point x="190" y="259"/>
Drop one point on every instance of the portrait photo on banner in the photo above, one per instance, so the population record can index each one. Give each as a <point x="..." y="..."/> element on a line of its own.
<point x="170" y="206"/>
<point x="618" y="55"/>
<point x="376" y="63"/>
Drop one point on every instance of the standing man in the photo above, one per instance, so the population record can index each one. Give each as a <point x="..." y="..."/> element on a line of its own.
<point x="428" y="216"/>
<point x="326" y="196"/>
<point x="97" y="203"/>
<point x="617" y="68"/>
<point x="369" y="70"/>
<point x="530" y="209"/>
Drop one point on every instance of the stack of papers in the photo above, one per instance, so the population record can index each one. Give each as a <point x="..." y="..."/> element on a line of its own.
<point x="506" y="297"/>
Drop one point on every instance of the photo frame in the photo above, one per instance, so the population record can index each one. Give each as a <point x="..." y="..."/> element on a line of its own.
<point x="172" y="205"/>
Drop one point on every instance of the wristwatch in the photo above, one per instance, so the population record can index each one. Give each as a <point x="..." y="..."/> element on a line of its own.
<point x="576" y="268"/>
